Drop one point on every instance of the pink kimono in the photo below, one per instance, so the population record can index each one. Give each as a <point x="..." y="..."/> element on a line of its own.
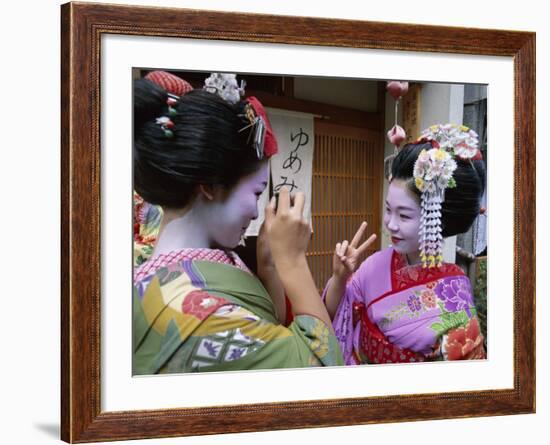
<point x="394" y="313"/>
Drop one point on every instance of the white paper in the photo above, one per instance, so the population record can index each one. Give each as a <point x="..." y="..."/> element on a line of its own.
<point x="292" y="165"/>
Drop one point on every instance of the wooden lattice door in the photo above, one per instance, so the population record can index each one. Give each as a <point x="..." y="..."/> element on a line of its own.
<point x="346" y="190"/>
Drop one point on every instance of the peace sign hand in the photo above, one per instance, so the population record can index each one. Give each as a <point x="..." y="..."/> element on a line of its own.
<point x="349" y="256"/>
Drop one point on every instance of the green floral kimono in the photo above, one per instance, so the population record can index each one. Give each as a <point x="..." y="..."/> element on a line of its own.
<point x="195" y="315"/>
<point x="147" y="219"/>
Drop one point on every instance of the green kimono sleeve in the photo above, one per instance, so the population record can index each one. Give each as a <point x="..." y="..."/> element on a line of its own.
<point x="258" y="345"/>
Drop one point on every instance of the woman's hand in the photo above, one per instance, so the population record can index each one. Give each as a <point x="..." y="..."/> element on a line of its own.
<point x="263" y="252"/>
<point x="346" y="260"/>
<point x="348" y="256"/>
<point x="288" y="232"/>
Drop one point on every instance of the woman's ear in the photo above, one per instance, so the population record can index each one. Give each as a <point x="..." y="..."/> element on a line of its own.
<point x="207" y="191"/>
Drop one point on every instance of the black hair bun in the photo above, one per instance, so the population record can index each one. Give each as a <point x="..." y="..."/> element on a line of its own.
<point x="205" y="145"/>
<point x="149" y="100"/>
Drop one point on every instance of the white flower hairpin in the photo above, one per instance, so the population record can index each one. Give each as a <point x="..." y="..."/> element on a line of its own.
<point x="433" y="173"/>
<point x="225" y="85"/>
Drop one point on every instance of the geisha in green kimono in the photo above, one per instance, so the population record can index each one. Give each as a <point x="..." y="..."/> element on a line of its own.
<point x="202" y="159"/>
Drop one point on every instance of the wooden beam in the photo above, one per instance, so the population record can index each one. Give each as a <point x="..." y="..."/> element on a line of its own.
<point x="331" y="113"/>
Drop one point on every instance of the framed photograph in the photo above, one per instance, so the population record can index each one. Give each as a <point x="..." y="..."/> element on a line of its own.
<point x="106" y="47"/>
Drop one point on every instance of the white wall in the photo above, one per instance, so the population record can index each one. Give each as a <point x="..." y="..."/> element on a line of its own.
<point x="441" y="103"/>
<point x="29" y="185"/>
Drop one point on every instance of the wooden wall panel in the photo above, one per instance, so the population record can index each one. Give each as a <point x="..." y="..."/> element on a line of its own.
<point x="346" y="189"/>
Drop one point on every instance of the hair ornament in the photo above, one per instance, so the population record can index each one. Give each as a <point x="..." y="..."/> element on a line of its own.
<point x="225" y="85"/>
<point x="167" y="125"/>
<point x="171" y="83"/>
<point x="166" y="122"/>
<point x="257" y="128"/>
<point x="433" y="173"/>
<point x="175" y="87"/>
<point x="261" y="135"/>
<point x="460" y="140"/>
<point x="172" y="102"/>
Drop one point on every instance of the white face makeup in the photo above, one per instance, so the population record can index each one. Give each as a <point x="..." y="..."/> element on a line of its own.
<point x="402" y="218"/>
<point x="228" y="216"/>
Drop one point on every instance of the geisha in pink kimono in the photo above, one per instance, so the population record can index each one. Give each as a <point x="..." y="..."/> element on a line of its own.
<point x="404" y="304"/>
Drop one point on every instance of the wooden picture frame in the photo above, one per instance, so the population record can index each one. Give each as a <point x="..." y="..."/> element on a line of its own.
<point x="83" y="25"/>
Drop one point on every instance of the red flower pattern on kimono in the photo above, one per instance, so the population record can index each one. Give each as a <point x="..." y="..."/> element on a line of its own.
<point x="201" y="304"/>
<point x="465" y="343"/>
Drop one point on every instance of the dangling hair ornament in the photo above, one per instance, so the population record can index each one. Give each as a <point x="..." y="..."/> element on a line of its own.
<point x="433" y="173"/>
<point x="225" y="85"/>
<point x="257" y="129"/>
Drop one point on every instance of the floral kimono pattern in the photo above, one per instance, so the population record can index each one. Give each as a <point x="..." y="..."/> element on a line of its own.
<point x="394" y="313"/>
<point x="195" y="315"/>
<point x="147" y="218"/>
